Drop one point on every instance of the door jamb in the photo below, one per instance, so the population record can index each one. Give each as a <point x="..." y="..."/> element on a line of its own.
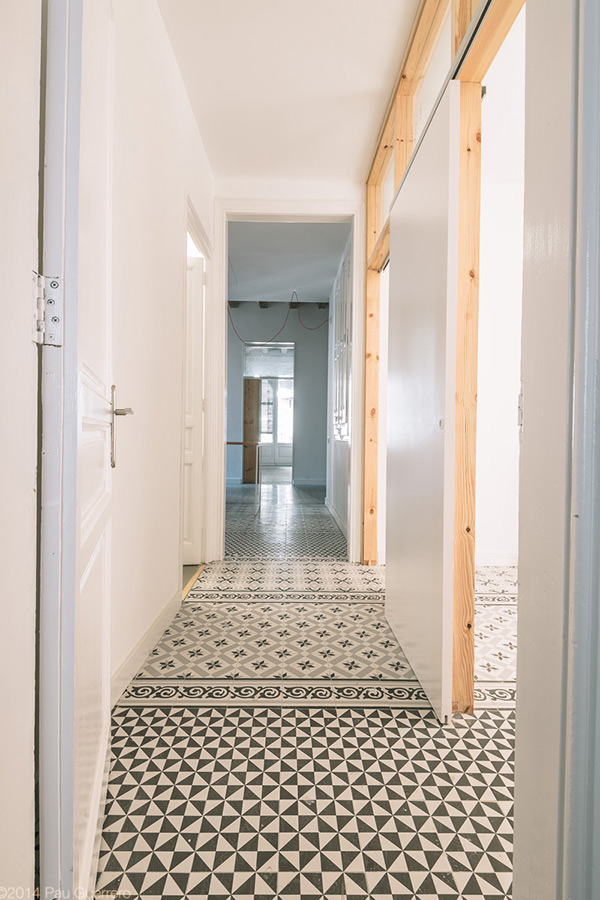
<point x="58" y="458"/>
<point x="193" y="225"/>
<point x="274" y="210"/>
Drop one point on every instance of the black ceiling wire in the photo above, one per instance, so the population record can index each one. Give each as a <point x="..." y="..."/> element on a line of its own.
<point x="287" y="315"/>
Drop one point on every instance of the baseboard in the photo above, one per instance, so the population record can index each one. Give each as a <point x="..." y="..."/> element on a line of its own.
<point x="309" y="482"/>
<point x="128" y="669"/>
<point x="338" y="521"/>
<point x="496" y="559"/>
<point x="232" y="482"/>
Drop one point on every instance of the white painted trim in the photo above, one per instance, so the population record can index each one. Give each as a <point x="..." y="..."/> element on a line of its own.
<point x="132" y="664"/>
<point x="234" y="482"/>
<point x="338" y="520"/>
<point x="59" y="421"/>
<point x="580" y="828"/>
<point x="276" y="210"/>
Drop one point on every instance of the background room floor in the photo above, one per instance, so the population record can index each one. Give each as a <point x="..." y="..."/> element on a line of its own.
<point x="277" y="744"/>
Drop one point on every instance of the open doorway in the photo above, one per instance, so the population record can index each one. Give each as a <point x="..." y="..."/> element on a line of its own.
<point x="499" y="370"/>
<point x="193" y="414"/>
<point x="284" y="316"/>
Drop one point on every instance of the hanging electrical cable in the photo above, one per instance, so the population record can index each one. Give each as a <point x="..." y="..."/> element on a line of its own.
<point x="287" y="315"/>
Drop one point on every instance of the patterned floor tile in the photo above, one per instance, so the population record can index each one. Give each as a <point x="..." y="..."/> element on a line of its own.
<point x="276" y="743"/>
<point x="283" y="578"/>
<point x="292" y="523"/>
<point x="308" y="803"/>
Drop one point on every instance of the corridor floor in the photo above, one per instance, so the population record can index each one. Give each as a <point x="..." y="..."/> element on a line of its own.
<point x="277" y="744"/>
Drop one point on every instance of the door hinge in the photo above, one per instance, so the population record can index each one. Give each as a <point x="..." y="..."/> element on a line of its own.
<point x="520" y="414"/>
<point x="48" y="310"/>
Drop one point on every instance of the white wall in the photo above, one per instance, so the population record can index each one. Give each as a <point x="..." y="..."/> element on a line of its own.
<point x="546" y="369"/>
<point x="500" y="295"/>
<point x="310" y="384"/>
<point x="159" y="158"/>
<point x="384" y="318"/>
<point x="19" y="111"/>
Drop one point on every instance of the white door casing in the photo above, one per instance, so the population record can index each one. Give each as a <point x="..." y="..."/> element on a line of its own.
<point x="75" y="544"/>
<point x="94" y="473"/>
<point x="192" y="517"/>
<point x="421" y="391"/>
<point x="297" y="209"/>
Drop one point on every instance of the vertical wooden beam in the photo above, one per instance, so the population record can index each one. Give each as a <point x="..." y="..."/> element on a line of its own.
<point x="405" y="135"/>
<point x="371" y="429"/>
<point x="251" y="427"/>
<point x="461" y="13"/>
<point x="466" y="396"/>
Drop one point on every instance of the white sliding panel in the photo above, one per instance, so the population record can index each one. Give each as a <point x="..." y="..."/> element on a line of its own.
<point x="193" y="416"/>
<point x="421" y="392"/>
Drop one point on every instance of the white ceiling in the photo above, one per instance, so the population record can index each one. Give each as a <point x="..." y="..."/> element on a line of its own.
<point x="269" y="260"/>
<point x="289" y="89"/>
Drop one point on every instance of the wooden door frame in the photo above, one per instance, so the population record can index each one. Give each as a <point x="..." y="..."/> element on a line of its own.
<point x="351" y="211"/>
<point x="477" y="37"/>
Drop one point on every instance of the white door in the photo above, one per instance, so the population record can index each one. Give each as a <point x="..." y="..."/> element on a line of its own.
<point x="76" y="399"/>
<point x="94" y="471"/>
<point x="421" y="391"/>
<point x="284" y="421"/>
<point x="192" y="428"/>
<point x="267" y="420"/>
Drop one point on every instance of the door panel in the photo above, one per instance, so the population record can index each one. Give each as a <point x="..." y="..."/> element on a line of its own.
<point x="193" y="417"/>
<point x="251" y="427"/>
<point x="284" y="419"/>
<point x="421" y="391"/>
<point x="94" y="489"/>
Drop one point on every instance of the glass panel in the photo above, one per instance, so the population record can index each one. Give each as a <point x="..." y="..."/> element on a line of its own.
<point x="269" y="360"/>
<point x="285" y="411"/>
<point x="267" y="396"/>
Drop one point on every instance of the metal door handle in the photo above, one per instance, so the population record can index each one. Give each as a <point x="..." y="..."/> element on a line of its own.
<point x="124" y="411"/>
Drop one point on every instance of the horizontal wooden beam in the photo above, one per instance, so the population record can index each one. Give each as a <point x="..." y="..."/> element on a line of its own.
<point x="381" y="250"/>
<point x="490" y="36"/>
<point x="462" y="13"/>
<point x="384" y="154"/>
<point x="420" y="46"/>
<point x="405" y="136"/>
<point x="433" y="13"/>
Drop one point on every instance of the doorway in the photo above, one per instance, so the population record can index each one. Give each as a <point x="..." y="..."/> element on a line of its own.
<point x="277" y="421"/>
<point x="499" y="370"/>
<point x="193" y="413"/>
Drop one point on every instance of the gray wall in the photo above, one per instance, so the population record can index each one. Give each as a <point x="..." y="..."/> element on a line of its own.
<point x="310" y="384"/>
<point x="543" y="565"/>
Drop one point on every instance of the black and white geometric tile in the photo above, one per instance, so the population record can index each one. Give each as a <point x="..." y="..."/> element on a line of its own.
<point x="292" y="523"/>
<point x="277" y="744"/>
<point x="283" y="579"/>
<point x="308" y="803"/>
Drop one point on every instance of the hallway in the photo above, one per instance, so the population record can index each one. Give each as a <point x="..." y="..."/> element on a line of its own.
<point x="276" y="742"/>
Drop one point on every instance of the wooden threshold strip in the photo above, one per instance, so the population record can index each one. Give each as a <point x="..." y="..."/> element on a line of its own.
<point x="192" y="581"/>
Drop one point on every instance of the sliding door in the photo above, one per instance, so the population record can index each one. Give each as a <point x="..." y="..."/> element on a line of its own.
<point x="426" y="419"/>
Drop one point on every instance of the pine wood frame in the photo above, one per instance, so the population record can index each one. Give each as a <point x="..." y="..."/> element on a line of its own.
<point x="394" y="146"/>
